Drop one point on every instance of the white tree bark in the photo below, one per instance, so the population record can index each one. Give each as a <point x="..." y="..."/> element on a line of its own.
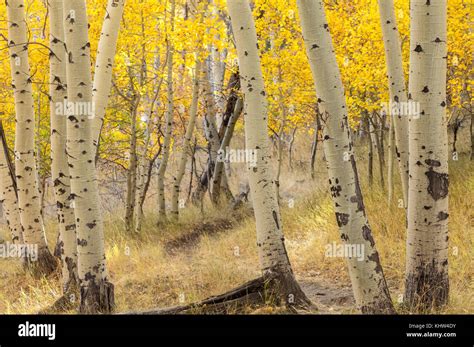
<point x="29" y="199"/>
<point x="8" y="191"/>
<point x="60" y="175"/>
<point x="132" y="172"/>
<point x="427" y="281"/>
<point x="219" y="177"/>
<point x="391" y="152"/>
<point x="96" y="290"/>
<point x="270" y="240"/>
<point x="368" y="282"/>
<point x="397" y="88"/>
<point x="166" y="148"/>
<point x="104" y="64"/>
<point x="187" y="141"/>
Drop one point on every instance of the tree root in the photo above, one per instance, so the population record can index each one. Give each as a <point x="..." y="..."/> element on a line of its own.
<point x="268" y="290"/>
<point x="45" y="265"/>
<point x="97" y="298"/>
<point x="66" y="302"/>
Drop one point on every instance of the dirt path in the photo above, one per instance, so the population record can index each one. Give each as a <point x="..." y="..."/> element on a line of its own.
<point x="329" y="298"/>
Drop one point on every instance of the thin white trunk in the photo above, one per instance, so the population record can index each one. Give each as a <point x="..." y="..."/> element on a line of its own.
<point x="186" y="142"/>
<point x="391" y="143"/>
<point x="396" y="79"/>
<point x="104" y="64"/>
<point x="168" y="124"/>
<point x="132" y="172"/>
<point x="368" y="282"/>
<point x="427" y="282"/>
<point x="219" y="179"/>
<point x="96" y="290"/>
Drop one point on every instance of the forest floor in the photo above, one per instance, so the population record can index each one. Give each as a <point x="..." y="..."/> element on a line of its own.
<point x="208" y="253"/>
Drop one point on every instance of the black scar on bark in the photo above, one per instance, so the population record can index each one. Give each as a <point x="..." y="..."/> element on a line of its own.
<point x="376" y="259"/>
<point x="91" y="225"/>
<point x="367" y="235"/>
<point x="432" y="162"/>
<point x="275" y="218"/>
<point x="442" y="215"/>
<point x="438" y="184"/>
<point x="336" y="191"/>
<point x="358" y="197"/>
<point x="342" y="219"/>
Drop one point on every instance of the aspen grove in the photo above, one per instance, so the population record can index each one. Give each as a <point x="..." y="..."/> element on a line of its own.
<point x="236" y="156"/>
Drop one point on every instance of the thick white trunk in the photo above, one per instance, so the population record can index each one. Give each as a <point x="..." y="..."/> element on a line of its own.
<point x="427" y="281"/>
<point x="368" y="282"/>
<point x="270" y="240"/>
<point x="60" y="175"/>
<point x="29" y="199"/>
<point x="96" y="291"/>
<point x="397" y="88"/>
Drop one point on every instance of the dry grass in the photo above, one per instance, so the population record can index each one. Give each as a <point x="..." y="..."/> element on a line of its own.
<point x="146" y="276"/>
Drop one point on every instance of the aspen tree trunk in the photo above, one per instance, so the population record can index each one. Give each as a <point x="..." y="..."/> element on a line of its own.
<point x="217" y="73"/>
<point x="376" y="125"/>
<point x="270" y="240"/>
<point x="290" y="148"/>
<point x="368" y="282"/>
<point x="212" y="137"/>
<point x="67" y="244"/>
<point x="314" y="147"/>
<point x="8" y="191"/>
<point x="210" y="126"/>
<point x="104" y="64"/>
<point x="427" y="283"/>
<point x="370" y="145"/>
<point x="280" y="149"/>
<point x="97" y="293"/>
<point x="168" y="125"/>
<point x="471" y="128"/>
<point x="186" y="142"/>
<point x="391" y="143"/>
<point x="132" y="172"/>
<point x="29" y="199"/>
<point x="232" y="112"/>
<point x="396" y="83"/>
<point x="219" y="178"/>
